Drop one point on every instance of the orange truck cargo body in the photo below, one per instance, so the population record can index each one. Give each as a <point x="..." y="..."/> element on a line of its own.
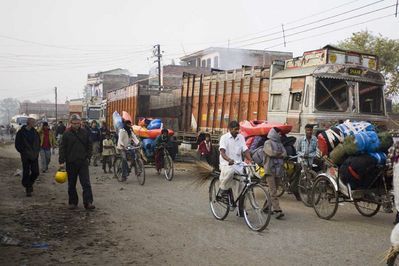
<point x="125" y="99"/>
<point x="210" y="102"/>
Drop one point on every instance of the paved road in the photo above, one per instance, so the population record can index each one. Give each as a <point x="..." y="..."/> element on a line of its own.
<point x="169" y="223"/>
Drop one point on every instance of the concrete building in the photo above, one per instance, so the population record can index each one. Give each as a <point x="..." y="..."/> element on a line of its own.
<point x="44" y="110"/>
<point x="98" y="84"/>
<point x="75" y="106"/>
<point x="232" y="58"/>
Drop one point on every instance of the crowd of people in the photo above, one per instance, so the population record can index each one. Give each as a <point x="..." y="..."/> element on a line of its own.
<point x="80" y="144"/>
<point x="267" y="151"/>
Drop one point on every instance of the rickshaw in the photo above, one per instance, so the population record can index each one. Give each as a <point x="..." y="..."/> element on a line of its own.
<point x="328" y="191"/>
<point x="168" y="165"/>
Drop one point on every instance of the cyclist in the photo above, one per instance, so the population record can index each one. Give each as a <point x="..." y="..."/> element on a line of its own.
<point x="231" y="147"/>
<point x="125" y="137"/>
<point x="274" y="159"/>
<point x="161" y="142"/>
<point x="307" y="146"/>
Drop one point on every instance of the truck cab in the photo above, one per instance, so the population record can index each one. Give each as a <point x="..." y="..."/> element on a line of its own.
<point x="326" y="86"/>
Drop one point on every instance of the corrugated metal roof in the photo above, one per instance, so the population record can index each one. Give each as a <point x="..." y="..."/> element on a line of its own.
<point x="295" y="72"/>
<point x="348" y="77"/>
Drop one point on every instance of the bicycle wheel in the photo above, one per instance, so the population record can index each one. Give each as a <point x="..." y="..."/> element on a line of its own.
<point x="219" y="208"/>
<point x="257" y="207"/>
<point x="324" y="198"/>
<point x="118" y="169"/>
<point x="140" y="171"/>
<point x="168" y="167"/>
<point x="280" y="184"/>
<point x="367" y="208"/>
<point x="305" y="185"/>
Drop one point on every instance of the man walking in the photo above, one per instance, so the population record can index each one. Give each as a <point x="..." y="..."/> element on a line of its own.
<point x="95" y="138"/>
<point x="60" y="129"/>
<point x="27" y="143"/>
<point x="75" y="151"/>
<point x="273" y="164"/>
<point x="47" y="142"/>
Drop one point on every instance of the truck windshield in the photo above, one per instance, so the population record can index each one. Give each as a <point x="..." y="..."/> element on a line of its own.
<point x="94" y="113"/>
<point x="22" y="120"/>
<point x="331" y="95"/>
<point x="370" y="98"/>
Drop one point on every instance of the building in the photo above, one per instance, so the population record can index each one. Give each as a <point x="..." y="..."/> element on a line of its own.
<point x="75" y="106"/>
<point x="44" y="110"/>
<point x="232" y="58"/>
<point x="98" y="84"/>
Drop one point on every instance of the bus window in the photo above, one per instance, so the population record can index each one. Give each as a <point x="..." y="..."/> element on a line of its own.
<point x="370" y="98"/>
<point x="331" y="95"/>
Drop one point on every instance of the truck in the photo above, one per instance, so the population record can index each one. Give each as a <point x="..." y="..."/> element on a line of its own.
<point x="322" y="87"/>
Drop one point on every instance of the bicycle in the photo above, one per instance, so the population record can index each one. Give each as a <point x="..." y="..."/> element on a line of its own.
<point x="133" y="155"/>
<point x="168" y="165"/>
<point x="306" y="180"/>
<point x="289" y="176"/>
<point x="254" y="201"/>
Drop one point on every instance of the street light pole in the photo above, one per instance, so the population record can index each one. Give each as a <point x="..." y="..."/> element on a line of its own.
<point x="56" y="113"/>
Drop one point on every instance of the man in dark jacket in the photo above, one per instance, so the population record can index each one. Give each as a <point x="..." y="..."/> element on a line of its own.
<point x="95" y="138"/>
<point x="75" y="151"/>
<point x="27" y="143"/>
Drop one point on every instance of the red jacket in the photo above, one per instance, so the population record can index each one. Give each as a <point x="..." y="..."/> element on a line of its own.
<point x="203" y="150"/>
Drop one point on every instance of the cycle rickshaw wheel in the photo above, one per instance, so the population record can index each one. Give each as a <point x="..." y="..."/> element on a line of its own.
<point x="140" y="171"/>
<point x="367" y="208"/>
<point x="168" y="167"/>
<point x="324" y="198"/>
<point x="305" y="186"/>
<point x="257" y="207"/>
<point x="219" y="208"/>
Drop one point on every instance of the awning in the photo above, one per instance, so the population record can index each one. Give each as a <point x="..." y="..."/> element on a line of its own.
<point x="349" y="77"/>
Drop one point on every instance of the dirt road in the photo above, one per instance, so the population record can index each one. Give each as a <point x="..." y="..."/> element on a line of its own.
<point x="169" y="223"/>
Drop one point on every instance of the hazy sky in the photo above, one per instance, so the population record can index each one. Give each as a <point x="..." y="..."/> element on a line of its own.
<point x="47" y="43"/>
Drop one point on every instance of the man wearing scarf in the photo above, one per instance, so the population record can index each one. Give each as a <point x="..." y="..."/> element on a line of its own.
<point x="274" y="159"/>
<point x="125" y="136"/>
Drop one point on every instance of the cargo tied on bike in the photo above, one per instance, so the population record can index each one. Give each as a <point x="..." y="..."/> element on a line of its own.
<point x="357" y="170"/>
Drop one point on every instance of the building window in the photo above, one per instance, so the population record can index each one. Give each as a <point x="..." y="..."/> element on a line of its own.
<point x="331" y="95"/>
<point x="216" y="62"/>
<point x="296" y="99"/>
<point x="203" y="63"/>
<point x="198" y="62"/>
<point x="276" y="102"/>
<point x="208" y="62"/>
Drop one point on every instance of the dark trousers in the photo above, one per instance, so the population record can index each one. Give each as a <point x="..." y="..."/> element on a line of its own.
<point x="107" y="159"/>
<point x="74" y="170"/>
<point x="30" y="172"/>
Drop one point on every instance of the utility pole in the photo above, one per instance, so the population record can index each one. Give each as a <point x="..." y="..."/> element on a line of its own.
<point x="56" y="113"/>
<point x="158" y="55"/>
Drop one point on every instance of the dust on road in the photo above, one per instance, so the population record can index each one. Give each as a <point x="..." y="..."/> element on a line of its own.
<point x="169" y="223"/>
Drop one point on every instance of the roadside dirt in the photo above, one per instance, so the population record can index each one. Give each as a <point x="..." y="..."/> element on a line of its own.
<point x="169" y="223"/>
<point x="48" y="233"/>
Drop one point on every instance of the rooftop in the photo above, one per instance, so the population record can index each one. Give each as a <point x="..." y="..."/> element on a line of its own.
<point x="231" y="50"/>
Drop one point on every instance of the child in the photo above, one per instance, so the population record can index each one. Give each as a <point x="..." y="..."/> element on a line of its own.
<point x="205" y="148"/>
<point x="108" y="152"/>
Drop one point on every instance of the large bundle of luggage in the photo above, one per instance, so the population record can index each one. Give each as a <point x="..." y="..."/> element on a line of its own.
<point x="357" y="149"/>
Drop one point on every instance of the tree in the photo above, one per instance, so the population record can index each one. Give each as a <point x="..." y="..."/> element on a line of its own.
<point x="387" y="51"/>
<point x="8" y="108"/>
